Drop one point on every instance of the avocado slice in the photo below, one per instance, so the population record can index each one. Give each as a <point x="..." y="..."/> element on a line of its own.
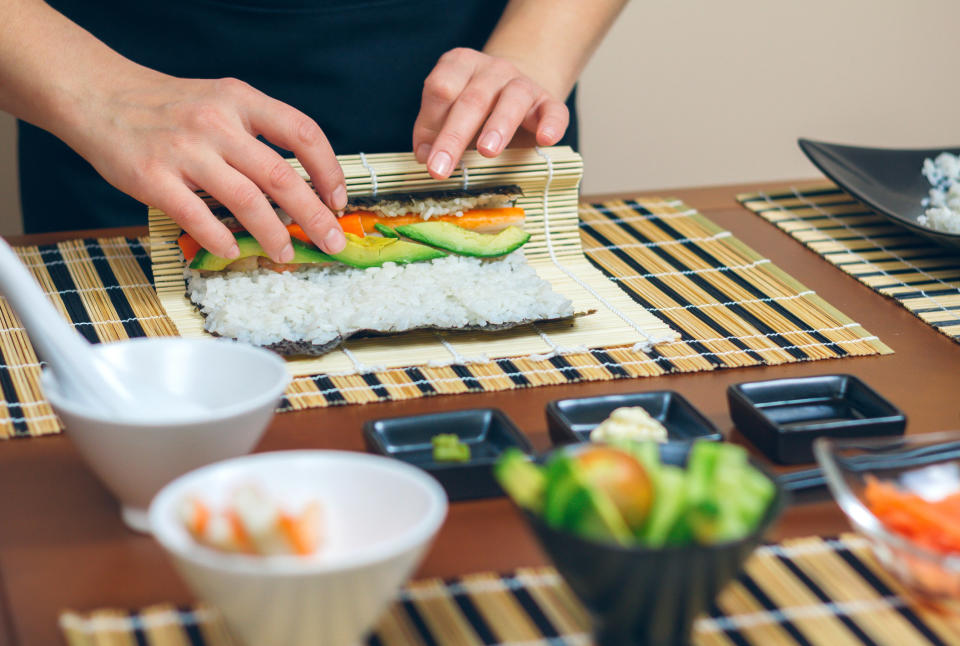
<point x="385" y="231"/>
<point x="523" y="481"/>
<point x="374" y="252"/>
<point x="361" y="253"/>
<point x="464" y="242"/>
<point x="302" y="253"/>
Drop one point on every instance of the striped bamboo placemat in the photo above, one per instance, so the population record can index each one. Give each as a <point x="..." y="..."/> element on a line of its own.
<point x="922" y="276"/>
<point x="731" y="306"/>
<point x="804" y="591"/>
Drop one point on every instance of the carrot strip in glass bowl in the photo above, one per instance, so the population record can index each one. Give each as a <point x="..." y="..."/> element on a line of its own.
<point x="935" y="524"/>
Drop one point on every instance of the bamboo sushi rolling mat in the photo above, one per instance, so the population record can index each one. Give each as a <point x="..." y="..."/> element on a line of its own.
<point x="549" y="179"/>
<point x="920" y="275"/>
<point x="828" y="592"/>
<point x="732" y="308"/>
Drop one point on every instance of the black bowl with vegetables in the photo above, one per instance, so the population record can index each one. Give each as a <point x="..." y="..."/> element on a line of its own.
<point x="646" y="535"/>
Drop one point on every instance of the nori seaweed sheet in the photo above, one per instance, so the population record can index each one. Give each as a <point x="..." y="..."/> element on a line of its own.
<point x="293" y="348"/>
<point x="364" y="202"/>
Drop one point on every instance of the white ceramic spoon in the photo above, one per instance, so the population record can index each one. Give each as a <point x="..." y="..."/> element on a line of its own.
<point x="83" y="375"/>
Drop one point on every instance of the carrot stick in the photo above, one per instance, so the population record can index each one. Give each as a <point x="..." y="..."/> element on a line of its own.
<point x="931" y="523"/>
<point x="303" y="531"/>
<point x="475" y="219"/>
<point x="199" y="519"/>
<point x="296" y="231"/>
<point x="240" y="533"/>
<point x="352" y="223"/>
<point x="188" y="246"/>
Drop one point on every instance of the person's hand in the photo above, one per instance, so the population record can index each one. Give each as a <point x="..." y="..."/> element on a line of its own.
<point x="469" y="92"/>
<point x="158" y="138"/>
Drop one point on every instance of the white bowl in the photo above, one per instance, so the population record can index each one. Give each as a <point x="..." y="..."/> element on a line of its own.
<point x="238" y="386"/>
<point x="379" y="517"/>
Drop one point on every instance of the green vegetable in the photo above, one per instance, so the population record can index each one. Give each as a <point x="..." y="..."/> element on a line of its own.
<point x="359" y="252"/>
<point x="669" y="506"/>
<point x="449" y="236"/>
<point x="385" y="231"/>
<point x="727" y="496"/>
<point x="447" y="447"/>
<point x="523" y="481"/>
<point x="719" y="497"/>
<point x="561" y="485"/>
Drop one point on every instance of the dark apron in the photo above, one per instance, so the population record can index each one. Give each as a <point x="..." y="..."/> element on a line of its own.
<point x="356" y="67"/>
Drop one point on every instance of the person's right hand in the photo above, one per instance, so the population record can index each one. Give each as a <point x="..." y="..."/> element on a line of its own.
<point x="158" y="138"/>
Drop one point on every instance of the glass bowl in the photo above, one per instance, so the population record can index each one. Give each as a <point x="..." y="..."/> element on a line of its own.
<point x="927" y="465"/>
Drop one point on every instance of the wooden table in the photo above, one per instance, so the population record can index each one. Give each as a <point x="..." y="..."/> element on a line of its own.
<point x="62" y="544"/>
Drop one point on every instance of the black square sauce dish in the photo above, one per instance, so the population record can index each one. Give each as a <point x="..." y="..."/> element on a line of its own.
<point x="571" y="420"/>
<point x="783" y="417"/>
<point x="487" y="431"/>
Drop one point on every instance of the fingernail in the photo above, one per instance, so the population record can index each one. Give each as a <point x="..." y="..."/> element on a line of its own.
<point x="287" y="254"/>
<point x="490" y="141"/>
<point x="441" y="163"/>
<point x="233" y="252"/>
<point x="423" y="152"/>
<point x="339" y="197"/>
<point x="549" y="133"/>
<point x="334" y="241"/>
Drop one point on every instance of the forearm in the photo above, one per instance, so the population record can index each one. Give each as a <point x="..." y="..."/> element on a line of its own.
<point x="53" y="72"/>
<point x="159" y="138"/>
<point x="552" y="40"/>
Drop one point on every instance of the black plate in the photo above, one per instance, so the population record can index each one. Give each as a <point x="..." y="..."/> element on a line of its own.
<point x="783" y="417"/>
<point x="571" y="420"/>
<point x="887" y="180"/>
<point x="488" y="431"/>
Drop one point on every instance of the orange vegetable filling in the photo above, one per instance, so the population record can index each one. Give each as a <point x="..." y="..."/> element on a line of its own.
<point x="933" y="524"/>
<point x="475" y="219"/>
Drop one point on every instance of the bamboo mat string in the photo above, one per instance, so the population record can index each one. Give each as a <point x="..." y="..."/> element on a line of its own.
<point x="465" y="170"/>
<point x="457" y="357"/>
<point x="373" y="174"/>
<point x="358" y="366"/>
<point x="642" y="346"/>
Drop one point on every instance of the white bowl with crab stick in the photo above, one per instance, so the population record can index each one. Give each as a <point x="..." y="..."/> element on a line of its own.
<point x="223" y="396"/>
<point x="379" y="517"/>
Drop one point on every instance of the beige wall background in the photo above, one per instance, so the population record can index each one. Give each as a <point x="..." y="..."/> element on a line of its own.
<point x="690" y="92"/>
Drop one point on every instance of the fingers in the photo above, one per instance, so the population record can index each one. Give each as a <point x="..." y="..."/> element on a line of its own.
<point x="552" y="119"/>
<point x="441" y="89"/>
<point x="515" y="103"/>
<point x="248" y="204"/>
<point x="278" y="179"/>
<point x="468" y="90"/>
<point x="462" y="123"/>
<point x="289" y="128"/>
<point x="188" y="210"/>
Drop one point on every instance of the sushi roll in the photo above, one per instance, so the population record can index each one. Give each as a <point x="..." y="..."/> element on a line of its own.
<point x="448" y="260"/>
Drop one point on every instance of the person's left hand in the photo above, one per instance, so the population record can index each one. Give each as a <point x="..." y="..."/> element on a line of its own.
<point x="469" y="92"/>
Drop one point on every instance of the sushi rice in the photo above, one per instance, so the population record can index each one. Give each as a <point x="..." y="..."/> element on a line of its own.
<point x="943" y="204"/>
<point x="320" y="304"/>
